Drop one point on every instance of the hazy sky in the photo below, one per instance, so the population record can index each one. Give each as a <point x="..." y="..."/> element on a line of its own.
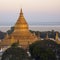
<point x="35" y="11"/>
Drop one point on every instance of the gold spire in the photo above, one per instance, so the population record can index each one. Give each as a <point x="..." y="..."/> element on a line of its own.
<point x="21" y="13"/>
<point x="56" y="37"/>
<point x="47" y="36"/>
<point x="21" y="24"/>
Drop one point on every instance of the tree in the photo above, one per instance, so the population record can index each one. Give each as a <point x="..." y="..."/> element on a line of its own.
<point x="40" y="51"/>
<point x="15" y="53"/>
<point x="11" y="30"/>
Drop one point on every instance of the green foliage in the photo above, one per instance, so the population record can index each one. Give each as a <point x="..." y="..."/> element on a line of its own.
<point x="15" y="45"/>
<point x="15" y="53"/>
<point x="11" y="30"/>
<point x="40" y="51"/>
<point x="2" y="35"/>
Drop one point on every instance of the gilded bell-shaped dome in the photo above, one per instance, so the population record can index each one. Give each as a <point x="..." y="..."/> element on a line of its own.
<point x="21" y="24"/>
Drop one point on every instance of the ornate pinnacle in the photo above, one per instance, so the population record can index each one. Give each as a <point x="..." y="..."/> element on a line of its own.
<point x="21" y="13"/>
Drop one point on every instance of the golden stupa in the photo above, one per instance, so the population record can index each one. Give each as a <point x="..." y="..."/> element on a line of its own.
<point x="57" y="38"/>
<point x="20" y="34"/>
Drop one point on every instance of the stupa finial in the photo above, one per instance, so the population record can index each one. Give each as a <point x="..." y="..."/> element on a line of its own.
<point x="21" y="11"/>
